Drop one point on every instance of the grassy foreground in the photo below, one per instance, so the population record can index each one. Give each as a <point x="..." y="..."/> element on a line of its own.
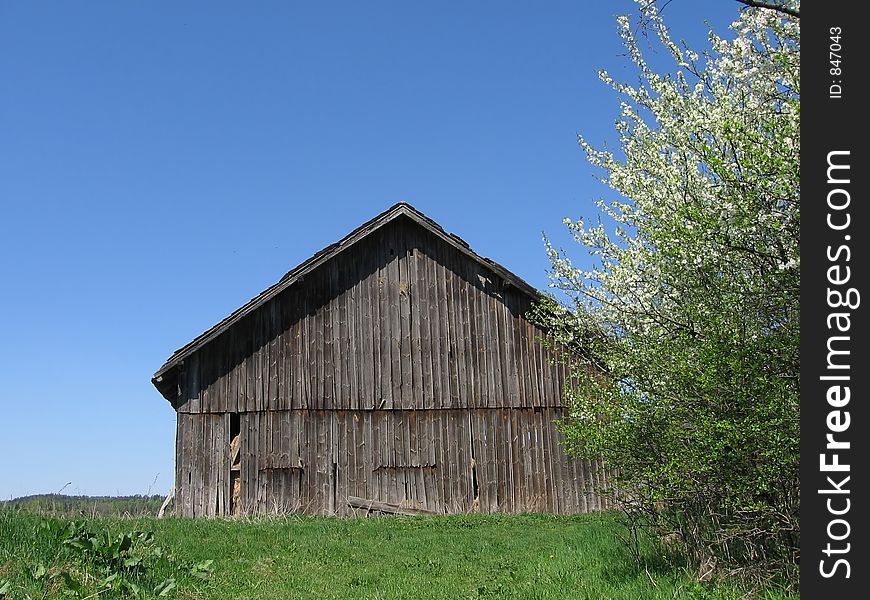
<point x="468" y="556"/>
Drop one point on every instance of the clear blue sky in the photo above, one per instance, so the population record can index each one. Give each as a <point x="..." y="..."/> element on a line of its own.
<point x="163" y="162"/>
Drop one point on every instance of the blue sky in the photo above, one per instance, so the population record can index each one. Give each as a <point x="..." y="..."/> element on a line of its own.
<point x="163" y="162"/>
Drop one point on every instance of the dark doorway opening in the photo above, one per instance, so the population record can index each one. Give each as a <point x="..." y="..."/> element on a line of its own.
<point x="235" y="448"/>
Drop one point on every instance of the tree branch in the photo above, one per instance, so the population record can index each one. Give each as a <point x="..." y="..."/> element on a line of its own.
<point x="778" y="8"/>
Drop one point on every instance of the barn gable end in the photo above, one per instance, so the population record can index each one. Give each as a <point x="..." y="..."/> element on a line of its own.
<point x="396" y="366"/>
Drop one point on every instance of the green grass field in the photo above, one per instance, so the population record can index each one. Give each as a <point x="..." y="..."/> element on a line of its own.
<point x="468" y="556"/>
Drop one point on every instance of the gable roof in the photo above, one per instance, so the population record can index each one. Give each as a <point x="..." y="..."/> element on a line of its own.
<point x="165" y="382"/>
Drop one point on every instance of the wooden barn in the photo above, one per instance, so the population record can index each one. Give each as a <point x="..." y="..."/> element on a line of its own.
<point x="392" y="371"/>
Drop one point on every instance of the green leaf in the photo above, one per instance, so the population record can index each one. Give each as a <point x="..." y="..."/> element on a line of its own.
<point x="167" y="585"/>
<point x="202" y="569"/>
<point x="133" y="561"/>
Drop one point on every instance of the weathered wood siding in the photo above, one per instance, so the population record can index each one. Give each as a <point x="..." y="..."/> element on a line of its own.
<point x="443" y="461"/>
<point x="402" y="322"/>
<point x="400" y="371"/>
<point x="202" y="466"/>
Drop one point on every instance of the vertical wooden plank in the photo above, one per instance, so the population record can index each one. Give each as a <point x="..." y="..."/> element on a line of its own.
<point x="368" y="356"/>
<point x="375" y="444"/>
<point x="484" y="345"/>
<point x="400" y="449"/>
<point x="210" y="458"/>
<point x="231" y="403"/>
<point x="444" y="458"/>
<point x="346" y="462"/>
<point x="451" y="442"/>
<point x="324" y="466"/>
<point x="366" y="459"/>
<point x="224" y="469"/>
<point x="316" y="317"/>
<point x="282" y="340"/>
<point x="517" y="477"/>
<point x="448" y="391"/>
<point x="179" y="462"/>
<point x="478" y="454"/>
<point x="517" y="371"/>
<point x="306" y="368"/>
<point x="201" y="433"/>
<point x="220" y="388"/>
<point x="416" y="286"/>
<point x="329" y="311"/>
<point x="192" y="378"/>
<point x="538" y="479"/>
<point x="471" y="385"/>
<point x="496" y="308"/>
<point x="486" y="419"/>
<point x="303" y="435"/>
<point x="465" y="473"/>
<point x="433" y="502"/>
<point x="291" y="358"/>
<point x="527" y="333"/>
<point x="506" y="460"/>
<point x="186" y="470"/>
<point x="331" y="419"/>
<point x="553" y="463"/>
<point x="476" y="341"/>
<point x="196" y="464"/>
<point x="416" y="483"/>
<point x="510" y="366"/>
<point x="384" y="332"/>
<point x="441" y="461"/>
<point x="424" y="457"/>
<point x="404" y="306"/>
<point x="546" y="458"/>
<point x="422" y="322"/>
<point x="245" y="463"/>
<point x="195" y="459"/>
<point x="455" y="364"/>
<point x="395" y="329"/>
<point x="351" y="337"/>
<point x="390" y="457"/>
<point x="259" y="362"/>
<point x="182" y="465"/>
<point x="256" y="473"/>
<point x="434" y="331"/>
<point x="273" y="321"/>
<point x="458" y="333"/>
<point x="341" y="354"/>
<point x="565" y="494"/>
<point x="299" y="458"/>
<point x="279" y="462"/>
<point x="496" y="458"/>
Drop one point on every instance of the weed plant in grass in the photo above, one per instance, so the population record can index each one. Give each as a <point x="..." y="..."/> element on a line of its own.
<point x="46" y="557"/>
<point x="525" y="557"/>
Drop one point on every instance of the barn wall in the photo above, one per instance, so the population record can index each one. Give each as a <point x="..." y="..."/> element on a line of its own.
<point x="400" y="371"/>
<point x="443" y="461"/>
<point x="400" y="321"/>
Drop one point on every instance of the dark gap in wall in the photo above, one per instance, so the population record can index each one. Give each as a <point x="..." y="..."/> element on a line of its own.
<point x="475" y="486"/>
<point x="235" y="455"/>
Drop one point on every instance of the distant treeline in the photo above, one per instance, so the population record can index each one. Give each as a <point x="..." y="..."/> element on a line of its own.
<point x="97" y="506"/>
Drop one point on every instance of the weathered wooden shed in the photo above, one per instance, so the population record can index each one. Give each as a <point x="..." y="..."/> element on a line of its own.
<point x="392" y="369"/>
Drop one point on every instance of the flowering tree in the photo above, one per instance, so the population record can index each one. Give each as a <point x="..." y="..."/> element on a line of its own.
<point x="691" y="311"/>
